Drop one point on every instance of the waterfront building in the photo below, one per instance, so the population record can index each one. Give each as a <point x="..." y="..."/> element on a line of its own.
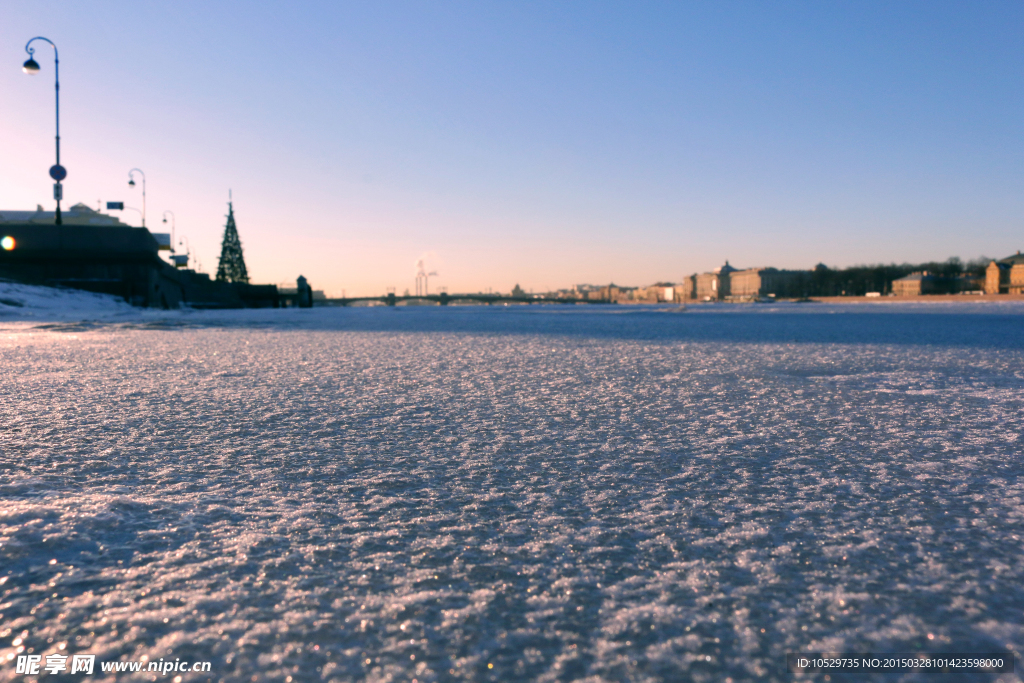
<point x="90" y="251"/>
<point x="79" y="214"/>
<point x="644" y="295"/>
<point x="925" y="282"/>
<point x="98" y="253"/>
<point x="915" y="284"/>
<point x="757" y="283"/>
<point x="658" y="293"/>
<point x="688" y="288"/>
<point x="627" y="294"/>
<point x="714" y="286"/>
<point x="1005" y="276"/>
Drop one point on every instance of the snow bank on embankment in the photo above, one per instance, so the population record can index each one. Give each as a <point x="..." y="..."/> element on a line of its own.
<point x="33" y="303"/>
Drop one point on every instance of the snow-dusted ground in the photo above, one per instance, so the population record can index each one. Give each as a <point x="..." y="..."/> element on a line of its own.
<point x="522" y="493"/>
<point x="20" y="302"/>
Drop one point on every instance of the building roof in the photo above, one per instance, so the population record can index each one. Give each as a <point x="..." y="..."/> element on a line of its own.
<point x="1012" y="260"/>
<point x="79" y="214"/>
<point x="915" y="276"/>
<point x="721" y="270"/>
<point x="765" y="269"/>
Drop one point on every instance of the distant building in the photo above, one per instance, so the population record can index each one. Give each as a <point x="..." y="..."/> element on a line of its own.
<point x="610" y="292"/>
<point x="915" y="284"/>
<point x="666" y="292"/>
<point x="1005" y="276"/>
<point x="605" y="293"/>
<point x="644" y="295"/>
<point x="714" y="286"/>
<point x="924" y="282"/>
<point x="658" y="293"/>
<point x="756" y="283"/>
<point x="79" y="214"/>
<point x="688" y="288"/>
<point x="627" y="294"/>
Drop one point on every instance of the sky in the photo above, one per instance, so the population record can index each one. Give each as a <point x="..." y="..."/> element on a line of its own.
<point x="541" y="143"/>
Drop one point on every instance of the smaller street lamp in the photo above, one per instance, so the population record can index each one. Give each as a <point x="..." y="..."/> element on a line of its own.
<point x="131" y="183"/>
<point x="181" y="260"/>
<point x="172" y="227"/>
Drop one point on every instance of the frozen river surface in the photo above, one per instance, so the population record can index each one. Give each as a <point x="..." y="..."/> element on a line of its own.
<point x="600" y="494"/>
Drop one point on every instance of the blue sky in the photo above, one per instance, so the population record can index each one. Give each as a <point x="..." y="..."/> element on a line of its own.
<point x="544" y="143"/>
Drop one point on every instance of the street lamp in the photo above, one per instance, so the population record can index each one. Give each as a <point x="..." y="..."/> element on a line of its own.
<point x="172" y="227"/>
<point x="131" y="183"/>
<point x="31" y="67"/>
<point x="181" y="260"/>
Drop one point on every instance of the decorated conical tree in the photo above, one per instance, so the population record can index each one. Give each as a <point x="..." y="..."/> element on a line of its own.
<point x="232" y="264"/>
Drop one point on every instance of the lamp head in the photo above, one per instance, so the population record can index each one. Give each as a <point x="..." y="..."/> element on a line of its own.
<point x="131" y="182"/>
<point x="31" y="67"/>
<point x="165" y="219"/>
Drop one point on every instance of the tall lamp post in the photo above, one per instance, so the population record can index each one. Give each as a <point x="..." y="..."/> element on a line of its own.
<point x="31" y="67"/>
<point x="131" y="183"/>
<point x="172" y="227"/>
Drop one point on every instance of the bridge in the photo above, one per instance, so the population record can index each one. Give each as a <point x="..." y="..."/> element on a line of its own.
<point x="444" y="299"/>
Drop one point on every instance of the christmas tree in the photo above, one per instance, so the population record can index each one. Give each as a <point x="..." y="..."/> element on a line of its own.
<point x="232" y="264"/>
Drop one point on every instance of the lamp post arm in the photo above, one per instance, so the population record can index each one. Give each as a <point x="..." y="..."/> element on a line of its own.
<point x="143" y="192"/>
<point x="132" y="208"/>
<point x="56" y="80"/>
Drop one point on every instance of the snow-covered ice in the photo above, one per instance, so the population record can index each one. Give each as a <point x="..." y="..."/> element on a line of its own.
<point x="522" y="493"/>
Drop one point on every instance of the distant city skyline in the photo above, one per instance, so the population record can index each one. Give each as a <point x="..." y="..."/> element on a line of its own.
<point x="533" y="143"/>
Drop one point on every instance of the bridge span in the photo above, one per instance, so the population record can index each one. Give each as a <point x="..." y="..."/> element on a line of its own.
<point x="444" y="299"/>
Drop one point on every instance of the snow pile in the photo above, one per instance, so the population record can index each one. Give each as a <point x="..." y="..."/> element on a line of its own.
<point x="32" y="302"/>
